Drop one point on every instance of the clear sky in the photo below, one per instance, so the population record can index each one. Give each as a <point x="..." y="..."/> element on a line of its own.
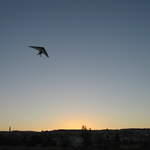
<point x="98" y="72"/>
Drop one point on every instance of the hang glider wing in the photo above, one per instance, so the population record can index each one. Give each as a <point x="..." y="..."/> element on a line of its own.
<point x="41" y="50"/>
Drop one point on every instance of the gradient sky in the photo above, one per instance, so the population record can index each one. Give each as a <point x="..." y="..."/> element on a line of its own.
<point x="98" y="73"/>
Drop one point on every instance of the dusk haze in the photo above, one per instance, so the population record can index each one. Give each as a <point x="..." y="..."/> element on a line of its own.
<point x="95" y="70"/>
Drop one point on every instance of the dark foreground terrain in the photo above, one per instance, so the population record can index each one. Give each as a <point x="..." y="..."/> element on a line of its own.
<point x="124" y="139"/>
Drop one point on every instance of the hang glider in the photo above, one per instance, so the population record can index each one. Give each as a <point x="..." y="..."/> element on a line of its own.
<point x="41" y="50"/>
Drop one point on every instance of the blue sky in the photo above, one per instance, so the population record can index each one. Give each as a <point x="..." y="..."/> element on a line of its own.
<point x="98" y="72"/>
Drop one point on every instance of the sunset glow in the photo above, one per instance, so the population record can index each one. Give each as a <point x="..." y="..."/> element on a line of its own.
<point x="97" y="73"/>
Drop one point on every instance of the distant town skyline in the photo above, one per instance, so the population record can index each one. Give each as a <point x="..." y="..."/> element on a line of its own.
<point x="98" y="73"/>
